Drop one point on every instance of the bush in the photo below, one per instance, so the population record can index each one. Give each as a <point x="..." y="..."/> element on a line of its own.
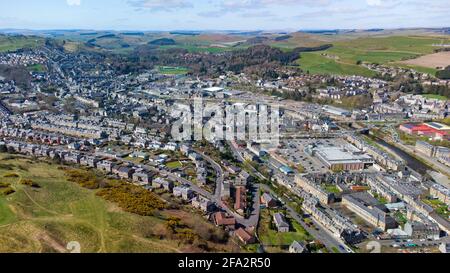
<point x="4" y="185"/>
<point x="8" y="167"/>
<point x="8" y="191"/>
<point x="11" y="175"/>
<point x="85" y="179"/>
<point x="131" y="198"/>
<point x="29" y="182"/>
<point x="444" y="74"/>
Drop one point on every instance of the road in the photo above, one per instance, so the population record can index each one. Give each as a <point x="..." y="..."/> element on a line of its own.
<point x="403" y="243"/>
<point x="219" y="173"/>
<point x="238" y="153"/>
<point x="322" y="235"/>
<point x="253" y="220"/>
<point x="433" y="162"/>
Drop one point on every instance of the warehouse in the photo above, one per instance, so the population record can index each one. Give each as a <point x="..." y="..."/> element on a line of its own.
<point x="342" y="158"/>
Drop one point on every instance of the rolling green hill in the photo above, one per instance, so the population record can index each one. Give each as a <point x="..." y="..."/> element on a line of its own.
<point x="12" y="43"/>
<point x="341" y="59"/>
<point x="46" y="218"/>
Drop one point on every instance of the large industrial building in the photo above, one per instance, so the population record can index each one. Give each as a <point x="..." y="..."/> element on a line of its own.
<point x="336" y="111"/>
<point x="346" y="158"/>
<point x="434" y="130"/>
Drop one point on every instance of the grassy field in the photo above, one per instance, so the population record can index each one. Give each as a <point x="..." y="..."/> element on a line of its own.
<point x="14" y="43"/>
<point x="196" y="48"/>
<point x="436" y="97"/>
<point x="174" y="165"/>
<point x="315" y="63"/>
<point x="421" y="69"/>
<point x="36" y="68"/>
<point x="341" y="59"/>
<point x="169" y="70"/>
<point x="440" y="207"/>
<point x="332" y="189"/>
<point x="272" y="238"/>
<point x="45" y="219"/>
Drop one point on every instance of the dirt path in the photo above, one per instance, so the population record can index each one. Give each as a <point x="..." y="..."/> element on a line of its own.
<point x="39" y="205"/>
<point x="51" y="242"/>
<point x="162" y="245"/>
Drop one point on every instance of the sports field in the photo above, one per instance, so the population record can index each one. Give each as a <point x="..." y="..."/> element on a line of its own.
<point x="169" y="70"/>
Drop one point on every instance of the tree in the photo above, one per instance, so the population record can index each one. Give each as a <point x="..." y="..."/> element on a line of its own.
<point x="444" y="74"/>
<point x="57" y="159"/>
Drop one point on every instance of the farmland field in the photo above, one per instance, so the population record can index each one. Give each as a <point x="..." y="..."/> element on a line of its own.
<point x="14" y="43"/>
<point x="46" y="218"/>
<point x="315" y="63"/>
<point x="342" y="58"/>
<point x="441" y="60"/>
<point x="195" y="48"/>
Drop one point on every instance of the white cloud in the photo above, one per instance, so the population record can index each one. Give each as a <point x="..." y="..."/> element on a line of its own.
<point x="73" y="2"/>
<point x="158" y="5"/>
<point x="374" y="2"/>
<point x="252" y="4"/>
<point x="383" y="3"/>
<point x="248" y="8"/>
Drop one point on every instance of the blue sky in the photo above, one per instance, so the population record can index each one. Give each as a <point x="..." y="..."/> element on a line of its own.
<point x="222" y="14"/>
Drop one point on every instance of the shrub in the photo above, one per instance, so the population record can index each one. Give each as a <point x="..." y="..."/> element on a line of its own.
<point x="29" y="182"/>
<point x="83" y="178"/>
<point x="4" y="185"/>
<point x="8" y="167"/>
<point x="131" y="198"/>
<point x="11" y="175"/>
<point x="8" y="191"/>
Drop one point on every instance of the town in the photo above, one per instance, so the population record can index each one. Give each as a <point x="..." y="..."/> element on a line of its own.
<point x="343" y="177"/>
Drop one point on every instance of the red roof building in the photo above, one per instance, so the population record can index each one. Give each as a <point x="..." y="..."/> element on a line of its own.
<point x="240" y="202"/>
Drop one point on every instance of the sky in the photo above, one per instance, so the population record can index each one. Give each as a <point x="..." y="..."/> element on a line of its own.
<point x="222" y="14"/>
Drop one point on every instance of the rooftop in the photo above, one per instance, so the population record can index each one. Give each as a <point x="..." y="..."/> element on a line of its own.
<point x="341" y="154"/>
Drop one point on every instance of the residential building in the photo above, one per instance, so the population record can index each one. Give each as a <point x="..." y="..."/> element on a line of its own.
<point x="297" y="247"/>
<point x="222" y="220"/>
<point x="280" y="222"/>
<point x="268" y="201"/>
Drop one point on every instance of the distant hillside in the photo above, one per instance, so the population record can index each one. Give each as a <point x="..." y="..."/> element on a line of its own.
<point x="89" y="34"/>
<point x="133" y="33"/>
<point x="15" y="42"/>
<point x="282" y="38"/>
<point x="257" y="40"/>
<point x="162" y="42"/>
<point x="186" y="33"/>
<point x="107" y="36"/>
